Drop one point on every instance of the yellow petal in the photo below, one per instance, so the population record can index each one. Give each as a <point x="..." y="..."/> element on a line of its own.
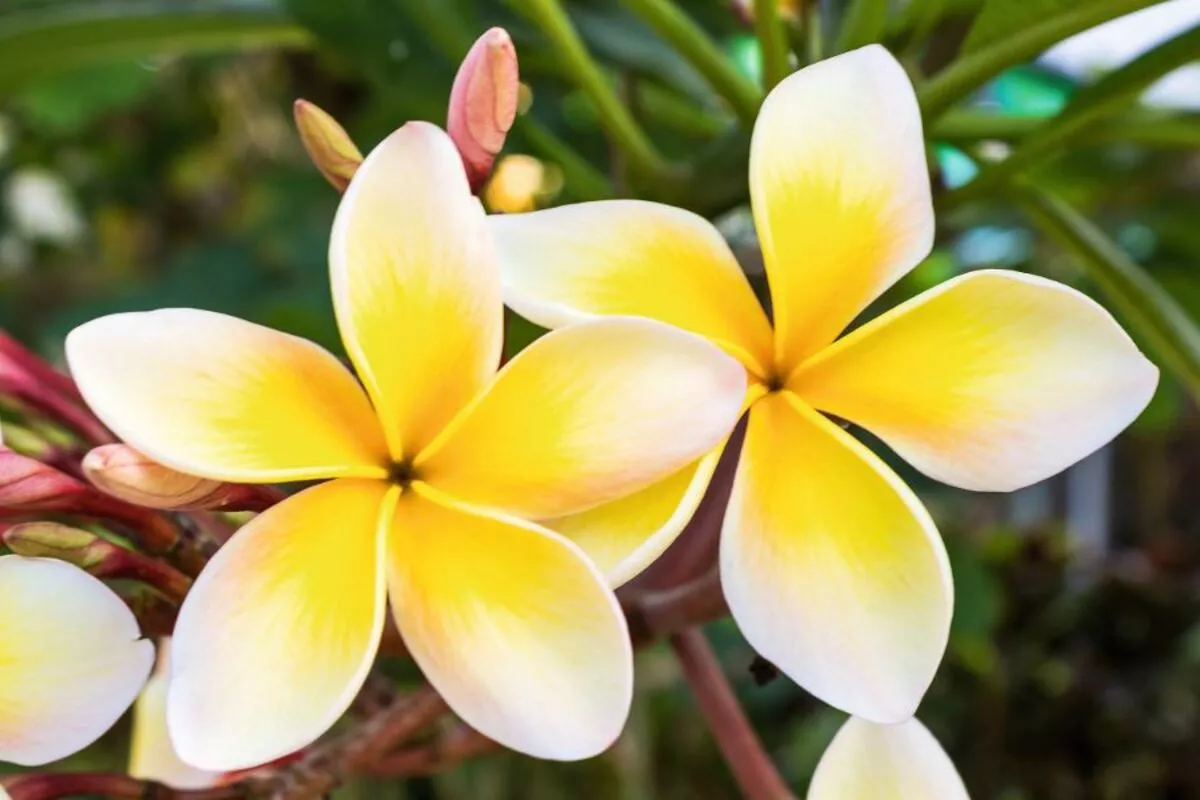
<point x="832" y="568"/>
<point x="415" y="285"/>
<point x="71" y="661"/>
<point x="512" y="625"/>
<point x="866" y="761"/>
<point x="630" y="258"/>
<point x="588" y="414"/>
<point x="840" y="193"/>
<point x="152" y="757"/>
<point x="624" y="536"/>
<point x="992" y="381"/>
<point x="226" y="399"/>
<point x="276" y="637"/>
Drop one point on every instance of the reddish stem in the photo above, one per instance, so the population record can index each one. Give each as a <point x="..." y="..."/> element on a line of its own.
<point x="743" y="752"/>
<point x="39" y="369"/>
<point x="49" y="786"/>
<point x="652" y="615"/>
<point x="457" y="745"/>
<point x="122" y="563"/>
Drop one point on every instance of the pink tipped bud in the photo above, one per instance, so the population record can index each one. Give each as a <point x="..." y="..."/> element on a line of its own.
<point x="122" y="472"/>
<point x="29" y="485"/>
<point x="329" y="146"/>
<point x="483" y="103"/>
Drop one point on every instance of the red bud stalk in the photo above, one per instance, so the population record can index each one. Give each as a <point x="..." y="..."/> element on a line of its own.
<point x="93" y="554"/>
<point x="40" y="386"/>
<point x="29" y="486"/>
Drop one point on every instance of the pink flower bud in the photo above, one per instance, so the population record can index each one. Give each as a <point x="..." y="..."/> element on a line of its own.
<point x="329" y="146"/>
<point x="29" y="485"/>
<point x="122" y="472"/>
<point x="483" y="103"/>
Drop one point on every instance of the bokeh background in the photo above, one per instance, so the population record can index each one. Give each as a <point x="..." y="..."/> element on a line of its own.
<point x="148" y="159"/>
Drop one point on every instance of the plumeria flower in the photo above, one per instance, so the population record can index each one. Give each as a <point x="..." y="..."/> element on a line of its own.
<point x="71" y="659"/>
<point x="152" y="757"/>
<point x="992" y="381"/>
<point x="437" y="469"/>
<point x="866" y="761"/>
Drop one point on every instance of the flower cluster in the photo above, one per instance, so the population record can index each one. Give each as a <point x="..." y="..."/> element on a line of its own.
<point x="491" y="510"/>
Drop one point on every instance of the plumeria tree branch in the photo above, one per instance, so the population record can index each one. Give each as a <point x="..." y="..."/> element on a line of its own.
<point x="320" y="770"/>
<point x="743" y="752"/>
<point x="115" y="786"/>
<point x="458" y="744"/>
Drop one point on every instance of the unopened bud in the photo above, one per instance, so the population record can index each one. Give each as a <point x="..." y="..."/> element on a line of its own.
<point x="52" y="540"/>
<point x="27" y="484"/>
<point x="483" y="103"/>
<point x="127" y="474"/>
<point x="329" y="146"/>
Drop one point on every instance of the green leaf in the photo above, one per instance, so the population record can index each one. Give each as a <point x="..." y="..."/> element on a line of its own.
<point x="47" y="38"/>
<point x="1003" y="46"/>
<point x="1146" y="307"/>
<point x="863" y="24"/>
<point x="1107" y="96"/>
<point x="1000" y="19"/>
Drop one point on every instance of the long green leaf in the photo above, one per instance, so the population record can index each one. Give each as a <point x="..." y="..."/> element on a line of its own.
<point x="999" y="19"/>
<point x="1141" y="126"/>
<point x="1105" y="97"/>
<point x="51" y="37"/>
<point x="864" y="23"/>
<point x="976" y="68"/>
<point x="1146" y="307"/>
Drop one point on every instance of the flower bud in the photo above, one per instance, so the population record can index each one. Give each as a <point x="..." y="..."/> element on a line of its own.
<point x="329" y="146"/>
<point x="52" y="540"/>
<point x="125" y="473"/>
<point x="29" y="485"/>
<point x="122" y="472"/>
<point x="483" y="103"/>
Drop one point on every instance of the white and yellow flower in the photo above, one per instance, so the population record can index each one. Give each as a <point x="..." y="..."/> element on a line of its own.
<point x="71" y="659"/>
<point x="437" y="469"/>
<point x="866" y="761"/>
<point x="995" y="380"/>
<point x="151" y="754"/>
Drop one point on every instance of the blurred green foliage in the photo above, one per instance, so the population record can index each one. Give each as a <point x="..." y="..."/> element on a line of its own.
<point x="153" y="138"/>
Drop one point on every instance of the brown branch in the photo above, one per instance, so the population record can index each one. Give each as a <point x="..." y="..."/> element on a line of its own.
<point x="653" y="615"/>
<point x="459" y="744"/>
<point x="743" y="752"/>
<point x="322" y="769"/>
<point x="49" y="786"/>
<point x="694" y="551"/>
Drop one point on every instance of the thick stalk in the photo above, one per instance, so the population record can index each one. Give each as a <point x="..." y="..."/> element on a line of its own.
<point x="743" y="752"/>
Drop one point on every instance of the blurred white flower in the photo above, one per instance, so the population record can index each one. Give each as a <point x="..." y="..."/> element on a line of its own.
<point x="1123" y="39"/>
<point x="40" y="206"/>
